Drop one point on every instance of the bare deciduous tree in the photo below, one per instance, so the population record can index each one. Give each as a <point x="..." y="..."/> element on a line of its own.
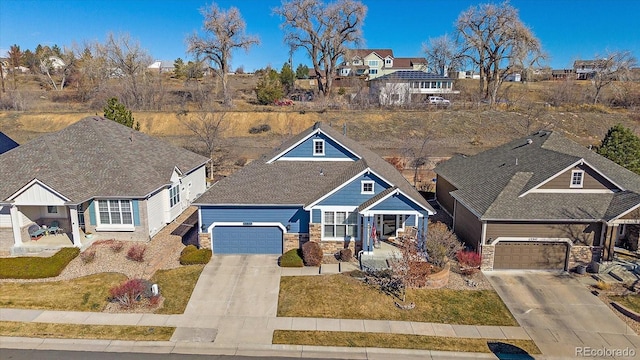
<point x="207" y="127"/>
<point x="614" y="66"/>
<point x="127" y="59"/>
<point x="15" y="56"/>
<point x="57" y="66"/>
<point x="493" y="37"/>
<point x="224" y="32"/>
<point x="324" y="31"/>
<point x="443" y="55"/>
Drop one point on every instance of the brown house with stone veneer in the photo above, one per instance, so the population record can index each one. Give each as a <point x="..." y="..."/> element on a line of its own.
<point x="540" y="202"/>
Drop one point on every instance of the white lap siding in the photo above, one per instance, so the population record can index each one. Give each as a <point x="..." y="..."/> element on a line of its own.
<point x="156" y="206"/>
<point x="5" y="217"/>
<point x="195" y="184"/>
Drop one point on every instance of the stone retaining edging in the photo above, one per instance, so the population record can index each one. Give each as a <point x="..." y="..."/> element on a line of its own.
<point x="628" y="312"/>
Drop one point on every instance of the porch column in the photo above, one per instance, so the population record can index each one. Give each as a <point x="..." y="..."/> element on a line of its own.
<point x="15" y="225"/>
<point x="75" y="229"/>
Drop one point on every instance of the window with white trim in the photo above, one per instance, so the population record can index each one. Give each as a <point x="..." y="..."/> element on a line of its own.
<point x="367" y="187"/>
<point x="373" y="71"/>
<point x="577" y="178"/>
<point x="387" y="61"/>
<point x="115" y="212"/>
<point x="52" y="209"/>
<point x="318" y="147"/>
<point x="339" y="224"/>
<point x="373" y="63"/>
<point x="174" y="195"/>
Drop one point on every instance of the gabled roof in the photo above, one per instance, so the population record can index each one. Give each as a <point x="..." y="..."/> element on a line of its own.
<point x="411" y="75"/>
<point x="6" y="143"/>
<point x="95" y="157"/>
<point x="495" y="184"/>
<point x="408" y="62"/>
<point x="302" y="182"/>
<point x="361" y="53"/>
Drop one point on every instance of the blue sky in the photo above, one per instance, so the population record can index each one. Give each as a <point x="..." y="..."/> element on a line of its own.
<point x="568" y="29"/>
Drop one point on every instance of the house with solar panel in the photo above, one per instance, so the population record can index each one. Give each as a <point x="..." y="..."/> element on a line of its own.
<point x="409" y="87"/>
<point x="318" y="186"/>
<point x="373" y="63"/>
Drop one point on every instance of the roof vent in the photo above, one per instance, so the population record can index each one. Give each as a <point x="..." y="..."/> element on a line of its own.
<point x="321" y="172"/>
<point x="529" y="141"/>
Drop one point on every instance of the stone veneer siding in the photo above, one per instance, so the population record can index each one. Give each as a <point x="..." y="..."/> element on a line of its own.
<point x="329" y="246"/>
<point x="487" y="257"/>
<point x="583" y="255"/>
<point x="205" y="240"/>
<point x="294" y="240"/>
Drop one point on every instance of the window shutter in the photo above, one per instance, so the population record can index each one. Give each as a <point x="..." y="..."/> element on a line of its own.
<point x="92" y="213"/>
<point x="136" y="212"/>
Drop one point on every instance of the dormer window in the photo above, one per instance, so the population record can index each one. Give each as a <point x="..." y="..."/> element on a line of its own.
<point x="367" y="187"/>
<point x="318" y="147"/>
<point x="577" y="178"/>
<point x="387" y="61"/>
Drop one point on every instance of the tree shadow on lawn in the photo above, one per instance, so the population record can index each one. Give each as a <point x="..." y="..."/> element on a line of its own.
<point x="508" y="351"/>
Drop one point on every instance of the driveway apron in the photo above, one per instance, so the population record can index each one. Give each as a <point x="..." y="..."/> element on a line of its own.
<point x="233" y="301"/>
<point x="560" y="314"/>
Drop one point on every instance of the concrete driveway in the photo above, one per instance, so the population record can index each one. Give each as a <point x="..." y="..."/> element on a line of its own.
<point x="233" y="301"/>
<point x="561" y="314"/>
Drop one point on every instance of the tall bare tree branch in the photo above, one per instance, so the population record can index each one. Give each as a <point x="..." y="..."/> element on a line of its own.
<point x="324" y="31"/>
<point x="224" y="33"/>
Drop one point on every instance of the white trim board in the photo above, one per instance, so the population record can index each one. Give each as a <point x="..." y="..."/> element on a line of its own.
<point x="316" y="131"/>
<point x="245" y="224"/>
<point x="579" y="162"/>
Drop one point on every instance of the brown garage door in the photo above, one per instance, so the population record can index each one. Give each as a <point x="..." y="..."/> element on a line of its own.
<point x="530" y="255"/>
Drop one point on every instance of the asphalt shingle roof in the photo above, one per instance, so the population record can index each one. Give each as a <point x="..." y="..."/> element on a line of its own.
<point x="300" y="182"/>
<point x="492" y="183"/>
<point x="95" y="157"/>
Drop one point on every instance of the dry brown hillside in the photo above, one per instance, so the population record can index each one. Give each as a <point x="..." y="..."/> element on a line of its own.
<point x="387" y="131"/>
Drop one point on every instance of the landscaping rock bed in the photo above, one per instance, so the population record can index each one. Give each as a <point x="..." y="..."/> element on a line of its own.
<point x="457" y="281"/>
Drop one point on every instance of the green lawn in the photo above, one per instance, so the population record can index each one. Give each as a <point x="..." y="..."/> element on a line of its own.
<point x="341" y="296"/>
<point x="78" y="331"/>
<point x="90" y="293"/>
<point x="176" y="286"/>
<point x="631" y="302"/>
<point x="403" y="341"/>
<point x="87" y="293"/>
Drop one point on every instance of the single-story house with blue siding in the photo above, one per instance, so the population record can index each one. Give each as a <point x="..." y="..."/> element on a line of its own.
<point x="318" y="186"/>
<point x="96" y="176"/>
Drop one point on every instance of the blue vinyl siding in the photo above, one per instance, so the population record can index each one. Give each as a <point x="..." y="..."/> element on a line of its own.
<point x="397" y="202"/>
<point x="332" y="150"/>
<point x="92" y="213"/>
<point x="247" y="240"/>
<point x="351" y="193"/>
<point x="136" y="212"/>
<point x="316" y="216"/>
<point x="410" y="220"/>
<point x="295" y="216"/>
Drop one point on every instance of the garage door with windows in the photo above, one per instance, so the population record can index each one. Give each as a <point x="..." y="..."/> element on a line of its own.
<point x="530" y="255"/>
<point x="247" y="240"/>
